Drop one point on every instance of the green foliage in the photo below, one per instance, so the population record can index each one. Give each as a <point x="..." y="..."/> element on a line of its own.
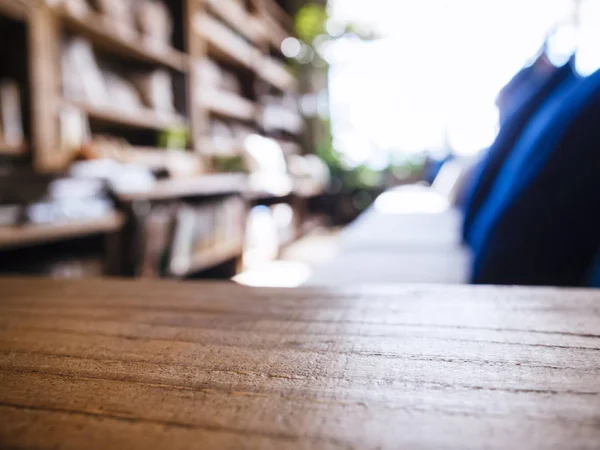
<point x="360" y="32"/>
<point x="234" y="163"/>
<point x="310" y="22"/>
<point x="174" y="138"/>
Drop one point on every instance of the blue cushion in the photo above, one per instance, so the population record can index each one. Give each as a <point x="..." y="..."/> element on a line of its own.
<point x="539" y="225"/>
<point x="492" y="163"/>
<point x="511" y="97"/>
<point x="434" y="167"/>
<point x="594" y="274"/>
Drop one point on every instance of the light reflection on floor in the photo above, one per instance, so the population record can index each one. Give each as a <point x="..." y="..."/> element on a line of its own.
<point x="297" y="262"/>
<point x="285" y="274"/>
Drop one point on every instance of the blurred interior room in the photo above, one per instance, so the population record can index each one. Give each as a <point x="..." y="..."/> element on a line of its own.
<point x="287" y="143"/>
<point x="299" y="224"/>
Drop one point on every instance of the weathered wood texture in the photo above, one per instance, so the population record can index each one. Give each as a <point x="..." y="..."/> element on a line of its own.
<point x="116" y="364"/>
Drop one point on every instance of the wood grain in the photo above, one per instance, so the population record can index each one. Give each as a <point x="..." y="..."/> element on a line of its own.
<point x="120" y="364"/>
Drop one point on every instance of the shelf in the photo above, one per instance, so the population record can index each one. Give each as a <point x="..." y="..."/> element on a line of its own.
<point x="202" y="186"/>
<point x="238" y="18"/>
<point x="15" y="9"/>
<point x="301" y="190"/>
<point x="143" y="118"/>
<point x="258" y="196"/>
<point x="152" y="158"/>
<point x="275" y="73"/>
<point x="31" y="234"/>
<point x="228" y="105"/>
<point x="12" y="150"/>
<point x="104" y="35"/>
<point x="275" y="32"/>
<point x="275" y="10"/>
<point x="210" y="258"/>
<point x="223" y="43"/>
<point x="290" y="124"/>
<point x="226" y="148"/>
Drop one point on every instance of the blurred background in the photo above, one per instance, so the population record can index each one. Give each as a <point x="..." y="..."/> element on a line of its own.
<point x="290" y="142"/>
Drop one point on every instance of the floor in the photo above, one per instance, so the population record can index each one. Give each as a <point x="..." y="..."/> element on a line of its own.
<point x="297" y="262"/>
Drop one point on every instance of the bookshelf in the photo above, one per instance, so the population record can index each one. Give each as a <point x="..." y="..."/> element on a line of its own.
<point x="99" y="31"/>
<point x="223" y="43"/>
<point x="228" y="105"/>
<point x="242" y="37"/>
<point x="15" y="9"/>
<point x="12" y="149"/>
<point x="203" y="186"/>
<point x="273" y="72"/>
<point x="209" y="258"/>
<point x="239" y="19"/>
<point x="31" y="234"/>
<point x="143" y="118"/>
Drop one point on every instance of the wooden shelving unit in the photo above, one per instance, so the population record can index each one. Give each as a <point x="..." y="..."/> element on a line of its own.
<point x="27" y="235"/>
<point x="206" y="185"/>
<point x="15" y="9"/>
<point x="143" y="118"/>
<point x="243" y="37"/>
<point x="239" y="19"/>
<point x="274" y="72"/>
<point x="100" y="32"/>
<point x="275" y="31"/>
<point x="208" y="258"/>
<point x="264" y="196"/>
<point x="238" y="35"/>
<point x="9" y="149"/>
<point x="208" y="147"/>
<point x="228" y="105"/>
<point x="223" y="43"/>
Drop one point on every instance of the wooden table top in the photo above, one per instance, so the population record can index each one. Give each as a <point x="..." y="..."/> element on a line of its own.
<point x="138" y="365"/>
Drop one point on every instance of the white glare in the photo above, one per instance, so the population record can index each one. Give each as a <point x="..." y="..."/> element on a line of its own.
<point x="411" y="200"/>
<point x="431" y="81"/>
<point x="283" y="274"/>
<point x="291" y="47"/>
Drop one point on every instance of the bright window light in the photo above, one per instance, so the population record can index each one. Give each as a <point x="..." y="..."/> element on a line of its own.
<point x="433" y="78"/>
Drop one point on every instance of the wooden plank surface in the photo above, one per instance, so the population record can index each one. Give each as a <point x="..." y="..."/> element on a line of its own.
<point x="118" y="364"/>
